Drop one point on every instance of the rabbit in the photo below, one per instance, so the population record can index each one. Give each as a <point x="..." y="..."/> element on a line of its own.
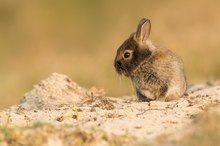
<point x="156" y="72"/>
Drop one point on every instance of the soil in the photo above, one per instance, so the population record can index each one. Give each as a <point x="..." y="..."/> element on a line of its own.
<point x="60" y="101"/>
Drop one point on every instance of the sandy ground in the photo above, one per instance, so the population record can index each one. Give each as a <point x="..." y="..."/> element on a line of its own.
<point x="60" y="101"/>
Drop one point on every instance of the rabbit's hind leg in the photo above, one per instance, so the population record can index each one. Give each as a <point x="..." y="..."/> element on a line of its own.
<point x="172" y="94"/>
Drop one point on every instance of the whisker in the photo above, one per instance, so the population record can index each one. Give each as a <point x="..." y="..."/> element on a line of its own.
<point x="120" y="80"/>
<point x="132" y="88"/>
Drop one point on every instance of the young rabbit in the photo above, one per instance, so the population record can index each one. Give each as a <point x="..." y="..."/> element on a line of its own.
<point x="157" y="73"/>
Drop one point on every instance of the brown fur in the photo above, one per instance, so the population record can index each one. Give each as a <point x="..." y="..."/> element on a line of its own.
<point x="157" y="73"/>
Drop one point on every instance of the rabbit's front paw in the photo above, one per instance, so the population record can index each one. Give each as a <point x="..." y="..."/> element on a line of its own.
<point x="144" y="95"/>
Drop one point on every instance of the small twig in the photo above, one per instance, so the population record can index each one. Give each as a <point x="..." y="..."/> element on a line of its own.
<point x="150" y="109"/>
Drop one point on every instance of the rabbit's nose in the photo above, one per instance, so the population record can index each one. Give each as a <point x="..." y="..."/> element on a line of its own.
<point x="118" y="63"/>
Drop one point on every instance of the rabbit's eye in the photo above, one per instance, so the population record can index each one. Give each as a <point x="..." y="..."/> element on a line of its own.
<point x="127" y="54"/>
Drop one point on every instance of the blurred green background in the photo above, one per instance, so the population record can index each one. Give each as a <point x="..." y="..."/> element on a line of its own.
<point x="79" y="38"/>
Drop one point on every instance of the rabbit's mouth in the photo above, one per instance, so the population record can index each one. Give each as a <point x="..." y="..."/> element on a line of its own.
<point x="120" y="69"/>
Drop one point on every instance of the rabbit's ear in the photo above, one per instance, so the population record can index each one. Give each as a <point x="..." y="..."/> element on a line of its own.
<point x="143" y="30"/>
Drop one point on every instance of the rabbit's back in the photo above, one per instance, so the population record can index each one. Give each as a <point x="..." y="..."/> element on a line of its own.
<point x="163" y="72"/>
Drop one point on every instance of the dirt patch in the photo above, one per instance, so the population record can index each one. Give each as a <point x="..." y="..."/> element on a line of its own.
<point x="61" y="102"/>
<point x="44" y="134"/>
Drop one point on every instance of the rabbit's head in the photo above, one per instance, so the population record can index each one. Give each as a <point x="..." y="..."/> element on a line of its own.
<point x="134" y="50"/>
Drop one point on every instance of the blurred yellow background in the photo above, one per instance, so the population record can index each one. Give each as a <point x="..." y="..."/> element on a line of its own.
<point x="79" y="38"/>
